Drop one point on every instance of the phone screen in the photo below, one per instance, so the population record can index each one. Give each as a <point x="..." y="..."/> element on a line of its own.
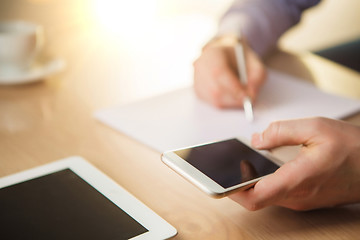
<point x="228" y="162"/>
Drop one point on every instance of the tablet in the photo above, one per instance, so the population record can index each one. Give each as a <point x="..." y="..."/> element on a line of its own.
<point x="71" y="199"/>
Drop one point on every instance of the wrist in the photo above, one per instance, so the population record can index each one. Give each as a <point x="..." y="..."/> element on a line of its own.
<point x="228" y="40"/>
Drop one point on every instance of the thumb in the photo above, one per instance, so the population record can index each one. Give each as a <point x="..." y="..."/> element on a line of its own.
<point x="282" y="133"/>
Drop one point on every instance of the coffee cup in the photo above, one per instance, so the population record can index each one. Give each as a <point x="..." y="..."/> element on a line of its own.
<point x="20" y="45"/>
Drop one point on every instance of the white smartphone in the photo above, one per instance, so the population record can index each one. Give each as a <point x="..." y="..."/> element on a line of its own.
<point x="219" y="168"/>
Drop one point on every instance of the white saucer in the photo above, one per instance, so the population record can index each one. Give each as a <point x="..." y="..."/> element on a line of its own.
<point x="36" y="73"/>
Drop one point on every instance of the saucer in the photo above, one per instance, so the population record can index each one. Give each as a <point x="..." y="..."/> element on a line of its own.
<point x="35" y="73"/>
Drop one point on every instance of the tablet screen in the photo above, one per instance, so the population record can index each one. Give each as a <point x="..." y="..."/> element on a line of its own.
<point x="62" y="205"/>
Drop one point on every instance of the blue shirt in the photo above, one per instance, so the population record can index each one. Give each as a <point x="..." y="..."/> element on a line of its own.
<point x="262" y="22"/>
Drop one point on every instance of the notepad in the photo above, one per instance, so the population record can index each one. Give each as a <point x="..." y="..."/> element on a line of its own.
<point x="179" y="119"/>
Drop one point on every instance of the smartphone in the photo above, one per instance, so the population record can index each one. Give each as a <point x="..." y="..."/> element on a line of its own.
<point x="219" y="168"/>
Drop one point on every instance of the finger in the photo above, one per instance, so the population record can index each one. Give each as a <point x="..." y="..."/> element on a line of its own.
<point x="244" y="198"/>
<point x="229" y="92"/>
<point x="216" y="96"/>
<point x="230" y="84"/>
<point x="292" y="185"/>
<point x="281" y="133"/>
<point x="268" y="191"/>
<point x="277" y="188"/>
<point x="229" y="101"/>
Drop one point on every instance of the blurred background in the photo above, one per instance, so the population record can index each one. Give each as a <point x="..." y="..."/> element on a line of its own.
<point x="136" y="48"/>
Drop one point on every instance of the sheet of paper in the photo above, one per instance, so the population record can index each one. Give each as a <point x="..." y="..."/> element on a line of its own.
<point x="179" y="119"/>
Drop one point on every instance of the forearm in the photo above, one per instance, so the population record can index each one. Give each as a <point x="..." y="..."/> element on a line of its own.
<point x="262" y="22"/>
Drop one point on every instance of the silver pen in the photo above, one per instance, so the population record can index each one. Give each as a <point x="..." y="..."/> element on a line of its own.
<point x="240" y="59"/>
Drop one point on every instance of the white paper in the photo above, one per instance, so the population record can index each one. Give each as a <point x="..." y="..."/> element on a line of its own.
<point x="179" y="119"/>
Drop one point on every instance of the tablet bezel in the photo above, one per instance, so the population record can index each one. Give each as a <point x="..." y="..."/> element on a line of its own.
<point x="157" y="227"/>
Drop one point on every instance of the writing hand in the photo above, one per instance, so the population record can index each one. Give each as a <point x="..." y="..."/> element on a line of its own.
<point x="215" y="74"/>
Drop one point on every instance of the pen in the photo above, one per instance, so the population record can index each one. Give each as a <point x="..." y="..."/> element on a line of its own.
<point x="240" y="59"/>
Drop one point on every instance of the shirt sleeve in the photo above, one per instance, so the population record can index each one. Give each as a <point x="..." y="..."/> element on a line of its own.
<point x="262" y="22"/>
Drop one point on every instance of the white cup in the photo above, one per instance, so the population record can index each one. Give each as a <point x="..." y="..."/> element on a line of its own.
<point x="20" y="44"/>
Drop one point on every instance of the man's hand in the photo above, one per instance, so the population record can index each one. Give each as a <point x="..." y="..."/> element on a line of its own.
<point x="216" y="77"/>
<point x="325" y="173"/>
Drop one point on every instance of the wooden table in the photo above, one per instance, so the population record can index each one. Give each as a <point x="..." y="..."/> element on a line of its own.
<point x="52" y="119"/>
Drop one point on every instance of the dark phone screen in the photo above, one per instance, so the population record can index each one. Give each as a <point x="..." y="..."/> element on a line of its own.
<point x="228" y="162"/>
<point x="62" y="205"/>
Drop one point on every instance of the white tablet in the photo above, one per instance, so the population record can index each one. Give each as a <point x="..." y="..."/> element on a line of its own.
<point x="71" y="199"/>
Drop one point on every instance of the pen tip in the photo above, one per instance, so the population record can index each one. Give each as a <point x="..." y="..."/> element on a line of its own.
<point x="249" y="115"/>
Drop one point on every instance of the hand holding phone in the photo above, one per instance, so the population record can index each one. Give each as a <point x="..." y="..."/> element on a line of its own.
<point x="219" y="168"/>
